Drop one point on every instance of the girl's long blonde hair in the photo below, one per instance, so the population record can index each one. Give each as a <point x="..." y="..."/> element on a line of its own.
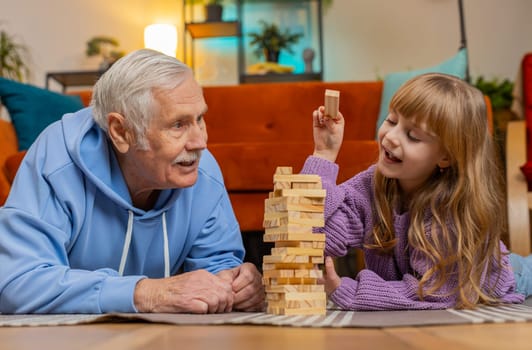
<point x="465" y="202"/>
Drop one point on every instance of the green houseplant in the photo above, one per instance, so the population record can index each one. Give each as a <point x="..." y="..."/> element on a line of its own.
<point x="105" y="47"/>
<point x="500" y="93"/>
<point x="13" y="58"/>
<point x="271" y="40"/>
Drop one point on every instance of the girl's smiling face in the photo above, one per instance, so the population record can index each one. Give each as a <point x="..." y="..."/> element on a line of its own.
<point x="408" y="152"/>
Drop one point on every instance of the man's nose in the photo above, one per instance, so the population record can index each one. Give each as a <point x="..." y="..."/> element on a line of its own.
<point x="197" y="138"/>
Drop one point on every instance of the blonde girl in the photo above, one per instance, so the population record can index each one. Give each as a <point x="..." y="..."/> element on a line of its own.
<point x="429" y="214"/>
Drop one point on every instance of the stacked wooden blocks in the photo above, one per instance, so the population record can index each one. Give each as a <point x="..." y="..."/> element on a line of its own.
<point x="291" y="272"/>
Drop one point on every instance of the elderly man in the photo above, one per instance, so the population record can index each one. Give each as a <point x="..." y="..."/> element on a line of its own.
<point x="121" y="208"/>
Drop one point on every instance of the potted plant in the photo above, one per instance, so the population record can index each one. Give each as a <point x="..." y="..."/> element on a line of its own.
<point x="501" y="97"/>
<point x="213" y="10"/>
<point x="13" y="56"/>
<point x="104" y="46"/>
<point x="270" y="41"/>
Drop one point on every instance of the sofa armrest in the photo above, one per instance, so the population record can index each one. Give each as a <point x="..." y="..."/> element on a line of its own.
<point x="517" y="189"/>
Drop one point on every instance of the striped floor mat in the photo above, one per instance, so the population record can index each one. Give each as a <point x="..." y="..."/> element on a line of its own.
<point x="333" y="318"/>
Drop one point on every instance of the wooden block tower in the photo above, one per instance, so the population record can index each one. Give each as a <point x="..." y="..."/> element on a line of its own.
<point x="291" y="272"/>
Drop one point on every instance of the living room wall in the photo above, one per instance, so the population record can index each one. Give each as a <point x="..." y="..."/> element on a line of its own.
<point x="363" y="39"/>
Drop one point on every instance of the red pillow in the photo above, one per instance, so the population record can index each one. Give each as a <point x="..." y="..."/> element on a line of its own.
<point x="526" y="67"/>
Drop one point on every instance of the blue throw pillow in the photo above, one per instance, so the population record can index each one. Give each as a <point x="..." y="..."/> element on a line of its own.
<point x="456" y="65"/>
<point x="32" y="109"/>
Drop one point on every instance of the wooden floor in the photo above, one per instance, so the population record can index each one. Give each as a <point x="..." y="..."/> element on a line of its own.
<point x="115" y="336"/>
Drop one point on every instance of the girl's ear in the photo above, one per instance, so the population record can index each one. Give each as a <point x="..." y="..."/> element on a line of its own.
<point x="444" y="162"/>
<point x="119" y="134"/>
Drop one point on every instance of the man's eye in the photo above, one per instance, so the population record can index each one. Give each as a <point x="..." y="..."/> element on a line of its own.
<point x="179" y="125"/>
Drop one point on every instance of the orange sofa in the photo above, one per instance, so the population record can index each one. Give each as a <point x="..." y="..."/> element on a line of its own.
<point x="253" y="128"/>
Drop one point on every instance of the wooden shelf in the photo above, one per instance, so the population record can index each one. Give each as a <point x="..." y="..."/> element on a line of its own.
<point x="311" y="23"/>
<point x="279" y="77"/>
<point x="73" y="78"/>
<point x="212" y="29"/>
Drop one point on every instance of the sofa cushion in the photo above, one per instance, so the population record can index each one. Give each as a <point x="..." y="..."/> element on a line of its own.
<point x="8" y="147"/>
<point x="456" y="65"/>
<point x="32" y="109"/>
<point x="248" y="170"/>
<point x="272" y="112"/>
<point x="12" y="163"/>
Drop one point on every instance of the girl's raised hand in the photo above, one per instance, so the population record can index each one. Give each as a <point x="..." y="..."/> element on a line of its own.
<point x="328" y="134"/>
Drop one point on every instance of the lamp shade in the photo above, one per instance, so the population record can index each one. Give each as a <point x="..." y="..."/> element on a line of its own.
<point x="161" y="37"/>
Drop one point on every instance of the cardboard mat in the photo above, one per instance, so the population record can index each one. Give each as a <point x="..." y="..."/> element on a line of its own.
<point x="333" y="318"/>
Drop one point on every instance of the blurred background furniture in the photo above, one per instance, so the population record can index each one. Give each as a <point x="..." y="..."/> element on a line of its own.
<point x="519" y="166"/>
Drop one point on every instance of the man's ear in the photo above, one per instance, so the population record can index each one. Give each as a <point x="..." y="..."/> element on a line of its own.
<point x="119" y="134"/>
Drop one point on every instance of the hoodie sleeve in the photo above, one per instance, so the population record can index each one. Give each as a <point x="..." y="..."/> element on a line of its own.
<point x="37" y="225"/>
<point x="218" y="245"/>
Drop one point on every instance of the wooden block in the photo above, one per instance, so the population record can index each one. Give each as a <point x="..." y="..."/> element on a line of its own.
<point x="297" y="251"/>
<point x="279" y="273"/>
<point x="306" y="178"/>
<point x="293" y="200"/>
<point x="273" y="281"/>
<point x="269" y="259"/>
<point x="281" y="185"/>
<point x="296" y="311"/>
<point x="285" y="170"/>
<point x="287" y="266"/>
<point x="297" y="304"/>
<point x="317" y="259"/>
<point x="309" y="193"/>
<point x="302" y="288"/>
<point x="286" y="236"/>
<point x="299" y="273"/>
<point x="273" y="204"/>
<point x="300" y="244"/>
<point x="314" y="273"/>
<point x="319" y="295"/>
<point x="332" y="103"/>
<point x="293" y="214"/>
<point x="292" y="228"/>
<point x="287" y="220"/>
<point x="310" y="215"/>
<point x="305" y="185"/>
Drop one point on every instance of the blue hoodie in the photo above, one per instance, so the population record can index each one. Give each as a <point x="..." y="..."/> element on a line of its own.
<point x="69" y="226"/>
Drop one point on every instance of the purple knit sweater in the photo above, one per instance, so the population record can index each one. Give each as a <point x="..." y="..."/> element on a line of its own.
<point x="388" y="282"/>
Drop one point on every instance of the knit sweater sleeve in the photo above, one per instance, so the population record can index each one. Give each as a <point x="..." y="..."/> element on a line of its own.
<point x="369" y="291"/>
<point x="389" y="282"/>
<point x="347" y="206"/>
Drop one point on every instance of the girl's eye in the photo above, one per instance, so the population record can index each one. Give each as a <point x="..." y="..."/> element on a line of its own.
<point x="392" y="122"/>
<point x="412" y="138"/>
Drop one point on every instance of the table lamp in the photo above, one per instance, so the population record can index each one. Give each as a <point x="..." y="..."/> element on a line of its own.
<point x="161" y="37"/>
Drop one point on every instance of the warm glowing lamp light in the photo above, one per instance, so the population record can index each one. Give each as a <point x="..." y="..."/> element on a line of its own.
<point x="161" y="37"/>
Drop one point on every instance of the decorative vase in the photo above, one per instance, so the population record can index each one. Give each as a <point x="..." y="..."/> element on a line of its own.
<point x="308" y="57"/>
<point x="213" y="13"/>
<point x="271" y="55"/>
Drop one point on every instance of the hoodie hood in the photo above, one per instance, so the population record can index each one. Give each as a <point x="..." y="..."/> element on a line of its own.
<point x="91" y="150"/>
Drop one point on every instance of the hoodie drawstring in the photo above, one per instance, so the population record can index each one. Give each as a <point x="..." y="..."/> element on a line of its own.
<point x="127" y="244"/>
<point x="166" y="249"/>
